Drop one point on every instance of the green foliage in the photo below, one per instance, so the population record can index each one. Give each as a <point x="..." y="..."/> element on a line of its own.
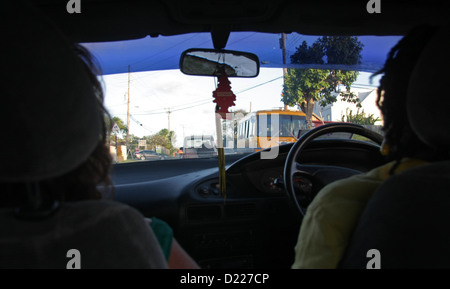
<point x="359" y="117"/>
<point x="304" y="87"/>
<point x="111" y="137"/>
<point x="110" y="123"/>
<point x="308" y="55"/>
<point x="162" y="138"/>
<point x="122" y="125"/>
<point x="301" y="84"/>
<point x="341" y="49"/>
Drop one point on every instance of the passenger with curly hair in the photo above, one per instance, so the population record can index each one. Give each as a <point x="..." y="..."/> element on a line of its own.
<point x="334" y="213"/>
<point x="54" y="187"/>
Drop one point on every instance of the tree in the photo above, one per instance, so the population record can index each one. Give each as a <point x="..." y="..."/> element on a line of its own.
<point x="163" y="138"/>
<point x="305" y="87"/>
<point x="133" y="140"/>
<point x="359" y="117"/>
<point x="122" y="127"/>
<point x="302" y="87"/>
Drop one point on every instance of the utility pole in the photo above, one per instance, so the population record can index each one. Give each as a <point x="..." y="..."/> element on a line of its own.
<point x="168" y="119"/>
<point x="168" y="124"/>
<point x="283" y="49"/>
<point x="128" y="109"/>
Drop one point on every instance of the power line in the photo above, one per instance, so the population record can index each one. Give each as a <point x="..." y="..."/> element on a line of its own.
<point x="191" y="104"/>
<point x="144" y="86"/>
<point x="239" y="40"/>
<point x="247" y="89"/>
<point x="139" y="123"/>
<point x="200" y="102"/>
<point x="172" y="110"/>
<point x="164" y="110"/>
<point x="165" y="59"/>
<point x="156" y="54"/>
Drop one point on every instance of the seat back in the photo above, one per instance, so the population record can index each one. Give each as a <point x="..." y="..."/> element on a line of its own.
<point x="106" y="234"/>
<point x="407" y="221"/>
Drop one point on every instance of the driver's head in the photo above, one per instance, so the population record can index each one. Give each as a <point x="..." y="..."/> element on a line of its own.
<point x="400" y="138"/>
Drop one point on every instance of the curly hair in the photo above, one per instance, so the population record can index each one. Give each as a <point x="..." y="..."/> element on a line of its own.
<point x="84" y="182"/>
<point x="392" y="94"/>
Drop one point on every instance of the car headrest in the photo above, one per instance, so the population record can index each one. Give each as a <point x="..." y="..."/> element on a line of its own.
<point x="428" y="99"/>
<point x="51" y="118"/>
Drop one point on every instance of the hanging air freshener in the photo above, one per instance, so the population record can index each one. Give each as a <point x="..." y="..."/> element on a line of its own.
<point x="223" y="95"/>
<point x="224" y="98"/>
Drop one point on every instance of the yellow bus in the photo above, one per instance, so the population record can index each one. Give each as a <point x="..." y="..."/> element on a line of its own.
<point x="269" y="128"/>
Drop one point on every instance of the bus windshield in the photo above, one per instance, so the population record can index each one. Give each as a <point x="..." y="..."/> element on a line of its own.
<point x="288" y="125"/>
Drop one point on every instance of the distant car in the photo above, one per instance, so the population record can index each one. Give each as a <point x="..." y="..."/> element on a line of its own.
<point x="149" y="155"/>
<point x="199" y="146"/>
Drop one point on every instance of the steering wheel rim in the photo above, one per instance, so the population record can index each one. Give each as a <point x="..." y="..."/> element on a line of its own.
<point x="291" y="165"/>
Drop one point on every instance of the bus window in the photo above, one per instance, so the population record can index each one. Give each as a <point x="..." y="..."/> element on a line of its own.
<point x="246" y="128"/>
<point x="252" y="126"/>
<point x="289" y="125"/>
<point x="294" y="123"/>
<point x="264" y="125"/>
<point x="240" y="131"/>
<point x="285" y="125"/>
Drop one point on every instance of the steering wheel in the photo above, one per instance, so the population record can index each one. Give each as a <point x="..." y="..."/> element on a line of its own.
<point x="313" y="177"/>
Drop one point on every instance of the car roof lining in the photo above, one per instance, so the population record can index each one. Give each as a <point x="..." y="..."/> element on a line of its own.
<point x="113" y="20"/>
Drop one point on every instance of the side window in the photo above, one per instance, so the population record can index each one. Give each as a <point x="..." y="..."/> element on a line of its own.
<point x="252" y="126"/>
<point x="240" y="130"/>
<point x="246" y="128"/>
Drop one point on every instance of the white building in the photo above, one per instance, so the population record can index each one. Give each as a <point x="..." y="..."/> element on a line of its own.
<point x="335" y="111"/>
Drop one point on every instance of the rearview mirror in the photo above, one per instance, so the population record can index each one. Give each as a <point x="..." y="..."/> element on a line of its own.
<point x="211" y="62"/>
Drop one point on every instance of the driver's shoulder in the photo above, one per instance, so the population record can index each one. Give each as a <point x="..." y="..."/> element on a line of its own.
<point x="358" y="189"/>
<point x="355" y="189"/>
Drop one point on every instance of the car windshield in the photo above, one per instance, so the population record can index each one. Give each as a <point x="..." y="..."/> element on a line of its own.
<point x="154" y="106"/>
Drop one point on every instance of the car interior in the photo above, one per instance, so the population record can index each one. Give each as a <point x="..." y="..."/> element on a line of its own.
<point x="255" y="223"/>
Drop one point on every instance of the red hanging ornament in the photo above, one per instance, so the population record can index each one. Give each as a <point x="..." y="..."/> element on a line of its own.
<point x="223" y="96"/>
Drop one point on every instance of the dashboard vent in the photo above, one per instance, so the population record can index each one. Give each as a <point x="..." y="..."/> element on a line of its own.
<point x="199" y="213"/>
<point x="240" y="210"/>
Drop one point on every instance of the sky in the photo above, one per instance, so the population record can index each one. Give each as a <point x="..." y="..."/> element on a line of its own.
<point x="157" y="86"/>
<point x="189" y="98"/>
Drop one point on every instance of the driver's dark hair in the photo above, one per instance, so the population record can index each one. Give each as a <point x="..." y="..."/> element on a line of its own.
<point x="85" y="181"/>
<point x="392" y="93"/>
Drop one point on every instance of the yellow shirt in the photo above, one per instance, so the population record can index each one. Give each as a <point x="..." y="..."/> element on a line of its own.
<point x="333" y="215"/>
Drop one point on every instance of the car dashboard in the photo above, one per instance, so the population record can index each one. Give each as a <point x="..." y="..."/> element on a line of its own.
<point x="253" y="225"/>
